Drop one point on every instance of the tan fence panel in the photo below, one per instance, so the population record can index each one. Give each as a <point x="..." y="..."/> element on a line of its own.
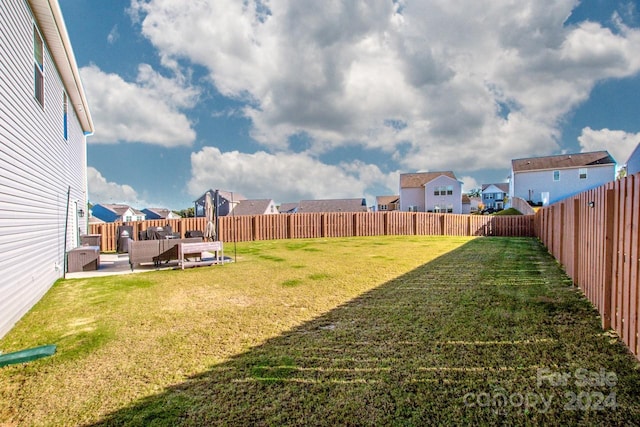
<point x="305" y="225"/>
<point x="366" y="224"/>
<point x="595" y="235"/>
<point x="427" y="224"/>
<point x="336" y="224"/>
<point x="236" y="228"/>
<point x="399" y="223"/>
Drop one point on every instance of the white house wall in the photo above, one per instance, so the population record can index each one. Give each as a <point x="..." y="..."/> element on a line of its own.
<point x="454" y="199"/>
<point x="37" y="167"/>
<point x="568" y="185"/>
<point x="412" y="197"/>
<point x="633" y="164"/>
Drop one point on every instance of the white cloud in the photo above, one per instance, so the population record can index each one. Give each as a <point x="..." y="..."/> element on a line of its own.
<point x="146" y="111"/>
<point x="469" y="183"/>
<point x="472" y="84"/>
<point x="282" y="177"/>
<point x="618" y="143"/>
<point x="103" y="191"/>
<point x="113" y="35"/>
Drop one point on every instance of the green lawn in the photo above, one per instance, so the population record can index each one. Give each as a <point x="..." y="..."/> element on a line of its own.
<point x="399" y="330"/>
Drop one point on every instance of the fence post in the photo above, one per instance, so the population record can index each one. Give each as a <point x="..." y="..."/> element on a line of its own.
<point x="385" y="223"/>
<point x="254" y="226"/>
<point x="442" y="220"/>
<point x="576" y="241"/>
<point x="608" y="257"/>
<point x="561" y="256"/>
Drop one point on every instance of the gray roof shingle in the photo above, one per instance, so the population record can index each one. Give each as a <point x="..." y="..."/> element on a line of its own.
<point x="562" y="161"/>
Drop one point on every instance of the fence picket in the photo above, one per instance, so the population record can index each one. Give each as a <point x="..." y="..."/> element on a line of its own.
<point x="597" y="242"/>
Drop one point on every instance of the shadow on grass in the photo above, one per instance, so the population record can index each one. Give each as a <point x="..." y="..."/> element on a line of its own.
<point x="481" y="335"/>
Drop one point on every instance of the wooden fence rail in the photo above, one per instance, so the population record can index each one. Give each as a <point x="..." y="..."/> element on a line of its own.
<point x="346" y="224"/>
<point x="595" y="235"/>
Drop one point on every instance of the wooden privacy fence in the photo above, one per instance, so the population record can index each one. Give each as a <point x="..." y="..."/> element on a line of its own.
<point x="345" y="224"/>
<point x="595" y="235"/>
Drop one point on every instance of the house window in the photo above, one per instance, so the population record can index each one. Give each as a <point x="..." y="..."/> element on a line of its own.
<point x="38" y="66"/>
<point x="382" y="207"/>
<point x="436" y="191"/>
<point x="449" y="190"/>
<point x="449" y="208"/>
<point x="583" y="173"/>
<point x="127" y="219"/>
<point x="437" y="209"/>
<point x="556" y="175"/>
<point x="65" y="107"/>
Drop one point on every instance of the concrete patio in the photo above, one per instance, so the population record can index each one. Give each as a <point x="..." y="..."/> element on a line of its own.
<point x="114" y="264"/>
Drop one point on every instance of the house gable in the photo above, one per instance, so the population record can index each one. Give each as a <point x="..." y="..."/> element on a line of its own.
<point x="255" y="207"/>
<point x="226" y="202"/>
<point x="443" y="194"/>
<point x="419" y="179"/>
<point x="412" y="188"/>
<point x="496" y="188"/>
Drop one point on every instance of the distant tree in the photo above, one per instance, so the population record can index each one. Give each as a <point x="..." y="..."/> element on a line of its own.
<point x="476" y="192"/>
<point x="186" y="213"/>
<point x="622" y="172"/>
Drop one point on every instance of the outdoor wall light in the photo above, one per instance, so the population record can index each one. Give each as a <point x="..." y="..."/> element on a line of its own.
<point x="81" y="213"/>
<point x="592" y="204"/>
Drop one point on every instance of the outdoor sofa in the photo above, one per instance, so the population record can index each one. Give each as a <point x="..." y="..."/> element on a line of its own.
<point x="155" y="251"/>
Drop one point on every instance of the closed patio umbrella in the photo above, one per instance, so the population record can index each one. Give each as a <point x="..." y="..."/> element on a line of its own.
<point x="209" y="212"/>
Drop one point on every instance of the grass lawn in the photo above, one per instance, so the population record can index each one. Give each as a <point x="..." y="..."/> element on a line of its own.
<point x="400" y="330"/>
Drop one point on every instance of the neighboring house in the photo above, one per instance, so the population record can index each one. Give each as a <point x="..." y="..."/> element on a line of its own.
<point x="430" y="192"/>
<point x="633" y="164"/>
<point x="160" y="213"/>
<point x="255" y="207"/>
<point x="387" y="203"/>
<point x="117" y="213"/>
<point x="546" y="180"/>
<point x="493" y="195"/>
<point x="470" y="204"/>
<point x="333" y="205"/>
<point x="227" y="201"/>
<point x="288" y="208"/>
<point x="44" y="122"/>
<point x="94" y="220"/>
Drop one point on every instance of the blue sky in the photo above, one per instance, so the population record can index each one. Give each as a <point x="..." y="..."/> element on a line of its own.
<point x="307" y="99"/>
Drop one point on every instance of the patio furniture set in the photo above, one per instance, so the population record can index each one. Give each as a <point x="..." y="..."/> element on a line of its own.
<point x="155" y="246"/>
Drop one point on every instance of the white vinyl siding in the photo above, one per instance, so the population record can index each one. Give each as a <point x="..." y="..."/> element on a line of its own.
<point x="37" y="166"/>
<point x="530" y="185"/>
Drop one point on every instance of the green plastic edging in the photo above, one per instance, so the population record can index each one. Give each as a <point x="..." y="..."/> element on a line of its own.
<point x="27" y="355"/>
